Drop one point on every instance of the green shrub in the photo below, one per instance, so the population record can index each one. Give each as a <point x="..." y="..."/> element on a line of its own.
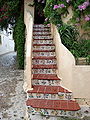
<point x="19" y="38"/>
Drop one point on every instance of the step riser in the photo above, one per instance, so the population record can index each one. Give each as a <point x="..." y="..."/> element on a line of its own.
<point x="44" y="62"/>
<point x="43" y="53"/>
<point x="61" y="96"/>
<point x="44" y="71"/>
<point x="46" y="82"/>
<point x="39" y="25"/>
<point x="41" y="29"/>
<point x="41" y="33"/>
<point x="43" y="47"/>
<point x="42" y="37"/>
<point x="42" y="42"/>
<point x="53" y="113"/>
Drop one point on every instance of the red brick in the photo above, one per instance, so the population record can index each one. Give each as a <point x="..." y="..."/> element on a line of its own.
<point x="53" y="104"/>
<point x="43" y="45"/>
<point x="47" y="89"/>
<point x="44" y="57"/>
<point x="45" y="76"/>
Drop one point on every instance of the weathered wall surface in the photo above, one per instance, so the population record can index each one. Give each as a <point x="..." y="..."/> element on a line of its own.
<point x="76" y="78"/>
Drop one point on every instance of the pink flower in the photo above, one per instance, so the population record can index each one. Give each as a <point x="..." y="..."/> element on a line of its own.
<point x="67" y="1"/>
<point x="46" y="19"/>
<point x="55" y="7"/>
<point x="48" y="25"/>
<point x="62" y="5"/>
<point x="87" y="18"/>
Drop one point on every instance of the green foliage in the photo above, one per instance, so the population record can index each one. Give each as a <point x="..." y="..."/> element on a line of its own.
<point x="19" y="38"/>
<point x="52" y="15"/>
<point x="9" y="12"/>
<point x="69" y="36"/>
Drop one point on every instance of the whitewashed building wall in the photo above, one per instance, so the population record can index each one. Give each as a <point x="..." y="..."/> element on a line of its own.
<point x="6" y="42"/>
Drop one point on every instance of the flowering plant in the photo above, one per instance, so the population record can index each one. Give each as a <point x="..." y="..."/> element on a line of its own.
<point x="81" y="10"/>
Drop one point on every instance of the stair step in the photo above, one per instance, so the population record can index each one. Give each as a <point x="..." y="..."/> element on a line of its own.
<point x="49" y="34"/>
<point x="69" y="105"/>
<point x="42" y="42"/>
<point x="49" y="92"/>
<point x="43" y="71"/>
<point x="44" y="58"/>
<point x="43" y="45"/>
<point x="43" y="50"/>
<point x="43" y="61"/>
<point x="54" y="66"/>
<point x="41" y="33"/>
<point x="48" y="89"/>
<point x="43" y="39"/>
<point x="45" y="76"/>
<point x="41" y="30"/>
<point x="46" y="82"/>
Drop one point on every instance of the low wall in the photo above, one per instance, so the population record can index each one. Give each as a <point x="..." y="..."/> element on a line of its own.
<point x="76" y="78"/>
<point x="81" y="81"/>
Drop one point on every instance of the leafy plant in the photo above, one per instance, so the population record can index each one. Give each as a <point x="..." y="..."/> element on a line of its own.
<point x="19" y="38"/>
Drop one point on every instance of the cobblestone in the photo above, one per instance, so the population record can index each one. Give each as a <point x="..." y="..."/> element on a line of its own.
<point x="12" y="96"/>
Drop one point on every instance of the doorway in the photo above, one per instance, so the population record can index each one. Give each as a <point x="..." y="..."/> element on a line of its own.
<point x="39" y="14"/>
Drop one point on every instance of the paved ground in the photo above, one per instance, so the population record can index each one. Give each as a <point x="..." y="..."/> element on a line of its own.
<point x="12" y="96"/>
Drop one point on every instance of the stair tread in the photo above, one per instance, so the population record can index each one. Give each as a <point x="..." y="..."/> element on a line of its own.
<point x="43" y="45"/>
<point x="46" y="76"/>
<point x="69" y="105"/>
<point x="52" y="66"/>
<point x="48" y="89"/>
<point x="44" y="57"/>
<point x="42" y="39"/>
<point x="44" y="50"/>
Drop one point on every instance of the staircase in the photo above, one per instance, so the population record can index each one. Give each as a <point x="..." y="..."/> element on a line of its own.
<point x="48" y="98"/>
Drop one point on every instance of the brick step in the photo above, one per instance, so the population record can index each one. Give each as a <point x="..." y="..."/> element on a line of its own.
<point x="44" y="58"/>
<point x="68" y="105"/>
<point x="40" y="26"/>
<point x="45" y="77"/>
<point x="41" y="32"/>
<point x="43" y="71"/>
<point x="49" y="34"/>
<point x="53" y="66"/>
<point x="42" y="29"/>
<point x="43" y="50"/>
<point x="49" y="92"/>
<point x="44" y="54"/>
<point x="41" y="47"/>
<point x="42" y="42"/>
<point x="42" y="37"/>
<point x="43" y="61"/>
<point x="46" y="82"/>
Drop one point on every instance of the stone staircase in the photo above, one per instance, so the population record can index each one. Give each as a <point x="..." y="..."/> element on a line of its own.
<point x="48" y="98"/>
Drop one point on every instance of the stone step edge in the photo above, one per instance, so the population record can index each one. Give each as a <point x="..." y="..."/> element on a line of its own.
<point x="69" y="105"/>
<point x="43" y="50"/>
<point x="53" y="66"/>
<point x="43" y="44"/>
<point x="44" y="58"/>
<point x="41" y="34"/>
<point x="43" y="39"/>
<point x="45" y="89"/>
<point x="45" y="77"/>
